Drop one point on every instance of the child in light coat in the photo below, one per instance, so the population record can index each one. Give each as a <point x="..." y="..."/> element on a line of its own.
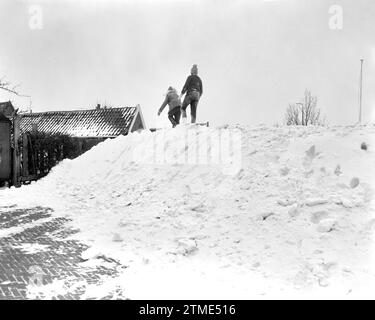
<point x="172" y="99"/>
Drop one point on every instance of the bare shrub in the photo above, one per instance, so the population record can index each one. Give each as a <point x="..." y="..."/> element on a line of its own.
<point x="304" y="113"/>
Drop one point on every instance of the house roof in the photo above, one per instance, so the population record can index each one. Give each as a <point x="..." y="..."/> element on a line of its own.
<point x="103" y="122"/>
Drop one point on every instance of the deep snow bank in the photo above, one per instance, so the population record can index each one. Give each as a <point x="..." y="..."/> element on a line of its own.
<point x="231" y="212"/>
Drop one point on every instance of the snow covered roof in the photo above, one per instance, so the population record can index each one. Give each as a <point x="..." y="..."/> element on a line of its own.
<point x="102" y="122"/>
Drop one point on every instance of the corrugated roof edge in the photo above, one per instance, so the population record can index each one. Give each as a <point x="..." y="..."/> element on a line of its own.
<point x="73" y="111"/>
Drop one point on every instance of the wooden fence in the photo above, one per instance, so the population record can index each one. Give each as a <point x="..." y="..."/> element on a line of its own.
<point x="39" y="152"/>
<point x="36" y="162"/>
<point x="36" y="153"/>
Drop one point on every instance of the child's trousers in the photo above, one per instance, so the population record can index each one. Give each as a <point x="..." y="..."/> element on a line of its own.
<point x="174" y="116"/>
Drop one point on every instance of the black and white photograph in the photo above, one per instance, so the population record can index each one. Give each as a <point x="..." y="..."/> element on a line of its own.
<point x="187" y="150"/>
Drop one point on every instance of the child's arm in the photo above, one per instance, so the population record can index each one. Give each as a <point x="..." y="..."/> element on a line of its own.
<point x="163" y="106"/>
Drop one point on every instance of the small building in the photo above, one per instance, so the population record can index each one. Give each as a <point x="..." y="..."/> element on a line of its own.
<point x="27" y="159"/>
<point x="40" y="133"/>
<point x="92" y="125"/>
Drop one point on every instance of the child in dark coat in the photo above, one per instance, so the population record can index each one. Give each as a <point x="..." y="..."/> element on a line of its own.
<point x="194" y="90"/>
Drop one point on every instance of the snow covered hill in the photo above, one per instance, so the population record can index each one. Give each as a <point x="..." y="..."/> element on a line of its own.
<point x="230" y="212"/>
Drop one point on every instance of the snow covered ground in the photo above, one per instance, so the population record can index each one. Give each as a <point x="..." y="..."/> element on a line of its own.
<point x="229" y="212"/>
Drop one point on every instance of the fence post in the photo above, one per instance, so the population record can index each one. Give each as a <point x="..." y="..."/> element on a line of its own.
<point x="25" y="155"/>
<point x="16" y="153"/>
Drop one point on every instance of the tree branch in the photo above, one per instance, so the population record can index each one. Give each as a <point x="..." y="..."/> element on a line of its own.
<point x="6" y="86"/>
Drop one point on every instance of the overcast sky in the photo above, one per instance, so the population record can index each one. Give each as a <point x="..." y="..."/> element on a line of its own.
<point x="254" y="56"/>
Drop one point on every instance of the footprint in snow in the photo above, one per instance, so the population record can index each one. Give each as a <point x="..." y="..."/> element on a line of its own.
<point x="117" y="238"/>
<point x="286" y="202"/>
<point x="294" y="210"/>
<point x="354" y="182"/>
<point x="327" y="225"/>
<point x="315" y="202"/>
<point x="311" y="153"/>
<point x="284" y="171"/>
<point x="318" y="216"/>
<point x="186" y="247"/>
<point x="265" y="216"/>
<point x="338" y="170"/>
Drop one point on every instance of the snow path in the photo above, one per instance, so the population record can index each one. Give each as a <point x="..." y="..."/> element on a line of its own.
<point x="14" y="230"/>
<point x="287" y="223"/>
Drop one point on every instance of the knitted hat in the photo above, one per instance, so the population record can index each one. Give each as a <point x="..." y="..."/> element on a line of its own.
<point x="171" y="89"/>
<point x="194" y="69"/>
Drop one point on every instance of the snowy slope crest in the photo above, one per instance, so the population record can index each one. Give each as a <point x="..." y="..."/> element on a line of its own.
<point x="242" y="211"/>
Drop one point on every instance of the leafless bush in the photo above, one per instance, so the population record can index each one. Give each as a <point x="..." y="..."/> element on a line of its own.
<point x="304" y="113"/>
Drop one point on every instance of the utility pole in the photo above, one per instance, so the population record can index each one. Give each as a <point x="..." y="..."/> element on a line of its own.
<point x="360" y="92"/>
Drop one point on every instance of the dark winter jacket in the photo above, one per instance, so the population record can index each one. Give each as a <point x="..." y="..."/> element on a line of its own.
<point x="193" y="83"/>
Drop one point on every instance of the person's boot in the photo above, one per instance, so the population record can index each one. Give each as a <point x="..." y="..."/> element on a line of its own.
<point x="184" y="118"/>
